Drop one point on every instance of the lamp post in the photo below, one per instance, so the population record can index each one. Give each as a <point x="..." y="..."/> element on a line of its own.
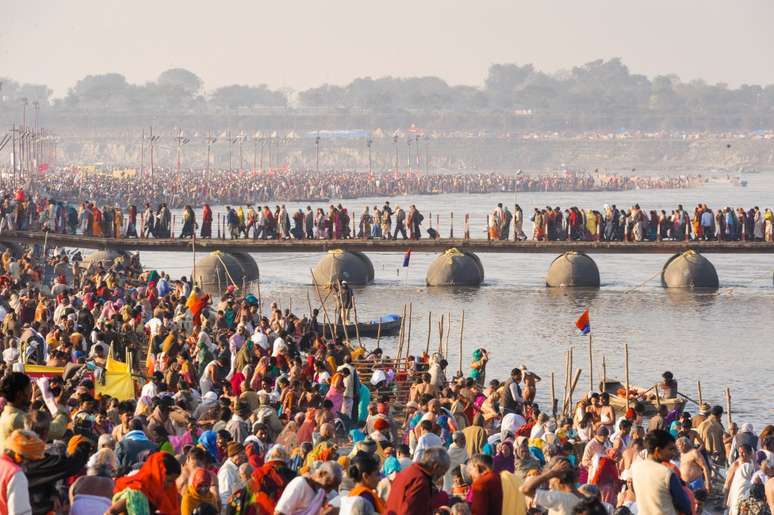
<point x="210" y="141"/>
<point x="408" y="158"/>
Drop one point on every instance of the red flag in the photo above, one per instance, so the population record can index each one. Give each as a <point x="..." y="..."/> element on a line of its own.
<point x="584" y="322"/>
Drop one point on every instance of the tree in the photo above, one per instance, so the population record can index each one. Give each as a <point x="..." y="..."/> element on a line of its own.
<point x="98" y="90"/>
<point x="236" y="96"/>
<point x="182" y="80"/>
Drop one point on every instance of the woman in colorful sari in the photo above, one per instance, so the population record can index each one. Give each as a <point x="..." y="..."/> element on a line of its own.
<point x="478" y="366"/>
<point x="198" y="492"/>
<point x="196" y="303"/>
<point x="336" y="392"/>
<point x="208" y="442"/>
<point x="151" y="490"/>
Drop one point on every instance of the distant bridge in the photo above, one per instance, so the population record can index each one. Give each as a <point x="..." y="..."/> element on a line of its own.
<point x="424" y="245"/>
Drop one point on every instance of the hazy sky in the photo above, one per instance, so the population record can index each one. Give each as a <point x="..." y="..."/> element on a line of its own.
<point x="298" y="44"/>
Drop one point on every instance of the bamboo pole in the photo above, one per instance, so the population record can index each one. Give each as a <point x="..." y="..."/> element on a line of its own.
<point x="626" y="372"/>
<point x="462" y="330"/>
<point x="400" y="336"/>
<point x="658" y="397"/>
<point x="574" y="384"/>
<point x="440" y="336"/>
<point x="408" y="337"/>
<point x="553" y="395"/>
<point x="379" y="333"/>
<point x="591" y="367"/>
<point x="604" y="373"/>
<point x="566" y="381"/>
<point x="429" y="332"/>
<point x="447" y="334"/>
<point x="357" y="328"/>
<point x="326" y="319"/>
<point x="728" y="407"/>
<point x="698" y="390"/>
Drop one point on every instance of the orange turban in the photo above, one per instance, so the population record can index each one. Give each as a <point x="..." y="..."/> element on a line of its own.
<point x="26" y="444"/>
<point x="72" y="445"/>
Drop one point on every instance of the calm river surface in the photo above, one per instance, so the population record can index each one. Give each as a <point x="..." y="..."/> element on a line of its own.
<point x="722" y="338"/>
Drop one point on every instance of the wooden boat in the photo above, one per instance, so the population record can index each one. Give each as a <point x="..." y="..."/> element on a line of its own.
<point x="644" y="397"/>
<point x="390" y="327"/>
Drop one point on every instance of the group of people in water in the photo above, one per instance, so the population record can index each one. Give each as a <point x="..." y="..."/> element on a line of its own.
<point x="241" y="407"/>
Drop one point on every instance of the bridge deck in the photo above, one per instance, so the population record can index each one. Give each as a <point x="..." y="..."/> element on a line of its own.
<point x="424" y="245"/>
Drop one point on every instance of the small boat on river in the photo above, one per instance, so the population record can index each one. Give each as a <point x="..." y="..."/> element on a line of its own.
<point x="390" y="326"/>
<point x="637" y="395"/>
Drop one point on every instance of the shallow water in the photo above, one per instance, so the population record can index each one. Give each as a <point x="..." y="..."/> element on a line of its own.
<point x="720" y="338"/>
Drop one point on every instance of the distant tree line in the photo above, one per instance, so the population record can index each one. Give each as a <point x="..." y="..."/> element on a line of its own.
<point x="601" y="94"/>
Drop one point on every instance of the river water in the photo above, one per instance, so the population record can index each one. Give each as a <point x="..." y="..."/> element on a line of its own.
<point x="720" y="338"/>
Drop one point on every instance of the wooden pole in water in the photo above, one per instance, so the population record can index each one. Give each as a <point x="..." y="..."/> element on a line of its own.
<point x="357" y="329"/>
<point x="728" y="406"/>
<point x="379" y="333"/>
<point x="447" y="334"/>
<point x="591" y="367"/>
<point x="626" y="372"/>
<point x="604" y="374"/>
<point x="193" y="253"/>
<point x="553" y="396"/>
<point x="698" y="391"/>
<point x="440" y="336"/>
<point x="566" y="381"/>
<point x="462" y="330"/>
<point x="574" y="384"/>
<point x="408" y="337"/>
<point x="309" y="304"/>
<point x="429" y="332"/>
<point x="341" y="314"/>
<point x="326" y="320"/>
<point x="400" y="337"/>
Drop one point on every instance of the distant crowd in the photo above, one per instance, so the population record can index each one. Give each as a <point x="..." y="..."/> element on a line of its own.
<point x="221" y="187"/>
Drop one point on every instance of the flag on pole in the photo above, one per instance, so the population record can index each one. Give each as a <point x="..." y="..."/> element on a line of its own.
<point x="584" y="322"/>
<point x="406" y="258"/>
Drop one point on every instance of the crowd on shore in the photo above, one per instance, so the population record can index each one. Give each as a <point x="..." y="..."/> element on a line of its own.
<point x="21" y="210"/>
<point x="221" y="187"/>
<point x="243" y="408"/>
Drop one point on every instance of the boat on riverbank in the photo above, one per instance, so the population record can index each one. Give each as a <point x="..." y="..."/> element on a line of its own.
<point x="646" y="397"/>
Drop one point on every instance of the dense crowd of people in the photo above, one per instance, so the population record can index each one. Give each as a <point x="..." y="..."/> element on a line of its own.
<point x="221" y="187"/>
<point x="633" y="224"/>
<point x="242" y="408"/>
<point x="23" y="211"/>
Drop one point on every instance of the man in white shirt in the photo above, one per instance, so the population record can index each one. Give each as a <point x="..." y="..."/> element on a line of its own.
<point x="11" y="354"/>
<point x="151" y="388"/>
<point x="260" y="339"/>
<point x="280" y="347"/>
<point x="427" y="440"/>
<point x="229" y="481"/>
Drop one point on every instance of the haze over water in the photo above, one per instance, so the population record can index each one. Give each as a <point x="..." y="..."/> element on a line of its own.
<point x="721" y="338"/>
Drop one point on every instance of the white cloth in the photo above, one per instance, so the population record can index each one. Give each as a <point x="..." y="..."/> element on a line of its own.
<point x="18" y="495"/>
<point x="260" y="339"/>
<point x="512" y="422"/>
<point x="557" y="503"/>
<point x="299" y="498"/>
<point x="426" y="441"/>
<point x="89" y="504"/>
<point x="279" y="347"/>
<point x="149" y="390"/>
<point x="740" y="486"/>
<point x="228" y="481"/>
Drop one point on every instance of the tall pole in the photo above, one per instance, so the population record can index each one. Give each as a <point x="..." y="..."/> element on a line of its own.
<point x="35" y="156"/>
<point x="22" y="146"/>
<point x="209" y="149"/>
<point x="255" y="153"/>
<point x="317" y="152"/>
<point x="261" y="168"/>
<point x="142" y="154"/>
<point x="591" y="366"/>
<point x="13" y="152"/>
<point x="370" y="142"/>
<point x="241" y="161"/>
<point x="151" y="153"/>
<point x="230" y="144"/>
<point x="395" y="144"/>
<point x="408" y="157"/>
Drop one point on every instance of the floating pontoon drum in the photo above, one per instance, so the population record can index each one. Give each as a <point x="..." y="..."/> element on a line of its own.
<point x="339" y="265"/>
<point x="455" y="268"/>
<point x="689" y="270"/>
<point x="573" y="270"/>
<point x="217" y="270"/>
<point x="249" y="265"/>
